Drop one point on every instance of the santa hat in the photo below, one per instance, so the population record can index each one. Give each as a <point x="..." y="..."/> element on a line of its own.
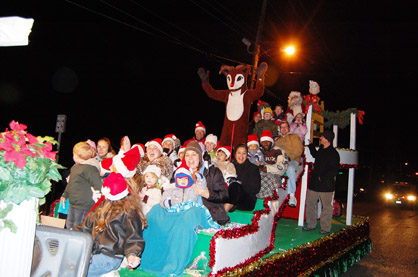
<point x="124" y="163"/>
<point x="182" y="149"/>
<point x="255" y="114"/>
<point x="141" y="149"/>
<point x="171" y="138"/>
<point x="212" y="138"/>
<point x="226" y="150"/>
<point x="157" y="142"/>
<point x="115" y="187"/>
<point x="266" y="136"/>
<point x="253" y="139"/>
<point x="152" y="169"/>
<point x="200" y="126"/>
<point x="181" y="172"/>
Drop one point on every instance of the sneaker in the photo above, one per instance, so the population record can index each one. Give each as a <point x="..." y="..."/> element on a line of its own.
<point x="292" y="200"/>
<point x="323" y="232"/>
<point x="307" y="228"/>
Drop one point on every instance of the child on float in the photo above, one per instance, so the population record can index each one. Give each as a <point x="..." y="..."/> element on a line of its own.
<point x="151" y="193"/>
<point x="177" y="162"/>
<point x="298" y="126"/>
<point x="174" y="225"/>
<point x="115" y="223"/>
<point x="211" y="143"/>
<point x="225" y="166"/>
<point x="83" y="181"/>
<point x="255" y="155"/>
<point x="183" y="189"/>
<point x="168" y="144"/>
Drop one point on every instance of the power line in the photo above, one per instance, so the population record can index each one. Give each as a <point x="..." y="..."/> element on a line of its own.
<point x="168" y="36"/>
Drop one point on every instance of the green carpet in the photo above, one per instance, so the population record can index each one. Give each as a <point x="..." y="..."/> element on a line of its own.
<point x="288" y="235"/>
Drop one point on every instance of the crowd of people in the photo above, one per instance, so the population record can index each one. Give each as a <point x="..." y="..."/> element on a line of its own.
<point x="142" y="193"/>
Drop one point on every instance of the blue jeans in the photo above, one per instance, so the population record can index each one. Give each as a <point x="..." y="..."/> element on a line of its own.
<point x="101" y="264"/>
<point x="291" y="174"/>
<point x="75" y="217"/>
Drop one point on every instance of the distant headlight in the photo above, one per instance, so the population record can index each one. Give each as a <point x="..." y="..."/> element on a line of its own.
<point x="412" y="197"/>
<point x="389" y="196"/>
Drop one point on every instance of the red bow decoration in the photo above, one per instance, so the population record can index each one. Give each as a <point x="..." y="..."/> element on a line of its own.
<point x="360" y="115"/>
<point x="261" y="103"/>
<point x="312" y="100"/>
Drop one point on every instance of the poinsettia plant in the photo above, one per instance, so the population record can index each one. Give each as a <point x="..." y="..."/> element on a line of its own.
<point x="27" y="166"/>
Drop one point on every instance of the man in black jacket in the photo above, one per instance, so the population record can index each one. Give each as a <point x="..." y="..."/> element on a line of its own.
<point x="322" y="183"/>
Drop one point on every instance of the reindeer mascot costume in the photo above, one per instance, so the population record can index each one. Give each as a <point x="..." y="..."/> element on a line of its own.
<point x="238" y="99"/>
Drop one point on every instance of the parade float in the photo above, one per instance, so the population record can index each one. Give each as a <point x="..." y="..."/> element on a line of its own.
<point x="269" y="241"/>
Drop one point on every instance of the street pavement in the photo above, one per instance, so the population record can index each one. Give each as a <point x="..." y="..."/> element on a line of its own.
<point x="394" y="234"/>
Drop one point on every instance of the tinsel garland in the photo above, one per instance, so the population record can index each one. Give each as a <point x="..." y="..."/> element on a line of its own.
<point x="342" y="118"/>
<point x="325" y="254"/>
<point x="256" y="263"/>
<point x="244" y="231"/>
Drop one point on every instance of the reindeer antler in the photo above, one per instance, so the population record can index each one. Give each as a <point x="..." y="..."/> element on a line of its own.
<point x="225" y="67"/>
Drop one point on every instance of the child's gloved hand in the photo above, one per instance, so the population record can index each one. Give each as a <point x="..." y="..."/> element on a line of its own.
<point x="96" y="194"/>
<point x="200" y="180"/>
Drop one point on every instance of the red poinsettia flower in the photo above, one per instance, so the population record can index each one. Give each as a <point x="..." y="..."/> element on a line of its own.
<point x="31" y="138"/>
<point x="15" y="126"/>
<point x="46" y="151"/>
<point x="16" y="151"/>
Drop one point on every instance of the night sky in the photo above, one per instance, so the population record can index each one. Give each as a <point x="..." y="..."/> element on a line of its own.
<point x="120" y="68"/>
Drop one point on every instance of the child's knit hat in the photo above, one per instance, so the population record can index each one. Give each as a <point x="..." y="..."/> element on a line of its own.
<point x="268" y="110"/>
<point x="211" y="138"/>
<point x="152" y="169"/>
<point x="181" y="172"/>
<point x="115" y="187"/>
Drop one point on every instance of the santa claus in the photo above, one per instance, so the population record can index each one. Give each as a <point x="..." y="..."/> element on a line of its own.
<point x="294" y="107"/>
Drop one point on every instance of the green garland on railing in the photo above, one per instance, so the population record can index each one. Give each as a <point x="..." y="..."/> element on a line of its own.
<point x="341" y="118"/>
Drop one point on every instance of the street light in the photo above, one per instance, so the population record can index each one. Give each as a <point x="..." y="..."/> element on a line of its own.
<point x="290" y="50"/>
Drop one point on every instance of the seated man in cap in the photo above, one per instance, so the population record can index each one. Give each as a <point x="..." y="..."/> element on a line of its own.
<point x="276" y="163"/>
<point x="293" y="146"/>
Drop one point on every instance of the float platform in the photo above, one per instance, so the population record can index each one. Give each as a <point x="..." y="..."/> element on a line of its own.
<point x="291" y="252"/>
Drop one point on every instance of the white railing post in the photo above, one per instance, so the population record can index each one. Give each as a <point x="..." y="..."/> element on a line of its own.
<point x="304" y="188"/>
<point x="350" y="191"/>
<point x="335" y="130"/>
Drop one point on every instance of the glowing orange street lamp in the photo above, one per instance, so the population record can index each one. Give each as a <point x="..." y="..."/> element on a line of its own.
<point x="290" y="50"/>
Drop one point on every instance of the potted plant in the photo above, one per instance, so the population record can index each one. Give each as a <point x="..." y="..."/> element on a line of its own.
<point x="27" y="166"/>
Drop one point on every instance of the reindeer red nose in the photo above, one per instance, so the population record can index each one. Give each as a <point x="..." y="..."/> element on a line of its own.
<point x="232" y="84"/>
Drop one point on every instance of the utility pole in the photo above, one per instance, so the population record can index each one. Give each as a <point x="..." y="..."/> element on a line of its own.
<point x="256" y="54"/>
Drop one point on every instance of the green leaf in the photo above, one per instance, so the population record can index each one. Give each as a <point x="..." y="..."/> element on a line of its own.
<point x="5" y="211"/>
<point x="8" y="224"/>
<point x="4" y="174"/>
